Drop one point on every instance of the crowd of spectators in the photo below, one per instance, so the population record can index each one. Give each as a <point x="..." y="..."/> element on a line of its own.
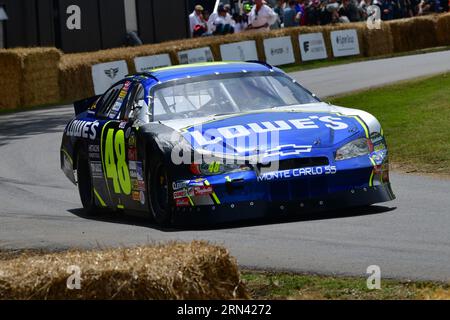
<point x="238" y="16"/>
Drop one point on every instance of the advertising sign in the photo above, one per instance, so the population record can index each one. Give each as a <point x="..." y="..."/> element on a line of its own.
<point x="147" y="63"/>
<point x="239" y="51"/>
<point x="104" y="75"/>
<point x="279" y="51"/>
<point x="312" y="46"/>
<point x="345" y="43"/>
<point x="195" y="56"/>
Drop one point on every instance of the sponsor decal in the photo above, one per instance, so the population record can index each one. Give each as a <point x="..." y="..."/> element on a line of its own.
<point x="182" y="202"/>
<point x="132" y="154"/>
<point x="238" y="131"/>
<point x="141" y="185"/>
<point x="96" y="169"/>
<point x="287" y="150"/>
<point x="124" y="91"/>
<point x="122" y="124"/>
<point x="379" y="147"/>
<point x="132" y="165"/>
<point x="136" y="196"/>
<point x="203" y="190"/>
<point x="138" y="185"/>
<point x="378" y="156"/>
<point x="94" y="156"/>
<point x="82" y="129"/>
<point x="139" y="171"/>
<point x="94" y="151"/>
<point x="132" y="138"/>
<point x="94" y="148"/>
<point x="296" y="173"/>
<point x="117" y="106"/>
<point x="179" y="185"/>
<point x="180" y="194"/>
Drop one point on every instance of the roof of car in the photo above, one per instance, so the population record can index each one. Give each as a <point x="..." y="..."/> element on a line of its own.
<point x="209" y="68"/>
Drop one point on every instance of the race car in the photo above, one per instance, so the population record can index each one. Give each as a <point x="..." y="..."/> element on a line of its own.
<point x="220" y="142"/>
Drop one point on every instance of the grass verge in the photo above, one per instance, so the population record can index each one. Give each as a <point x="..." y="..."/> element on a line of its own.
<point x="265" y="285"/>
<point x="415" y="117"/>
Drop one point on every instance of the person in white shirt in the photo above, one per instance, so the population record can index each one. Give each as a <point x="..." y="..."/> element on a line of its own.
<point x="261" y="17"/>
<point x="223" y="23"/>
<point x="197" y="23"/>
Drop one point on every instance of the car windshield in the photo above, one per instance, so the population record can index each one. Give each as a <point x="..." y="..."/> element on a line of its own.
<point x="224" y="94"/>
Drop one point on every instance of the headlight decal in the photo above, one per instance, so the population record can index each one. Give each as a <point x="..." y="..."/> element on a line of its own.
<point x="356" y="148"/>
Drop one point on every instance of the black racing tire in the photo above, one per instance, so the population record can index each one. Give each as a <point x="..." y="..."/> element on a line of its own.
<point x="85" y="187"/>
<point x="159" y="186"/>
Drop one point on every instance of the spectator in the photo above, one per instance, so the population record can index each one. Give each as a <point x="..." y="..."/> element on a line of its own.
<point x="279" y="10"/>
<point x="223" y="24"/>
<point x="313" y="13"/>
<point x="261" y="17"/>
<point x="240" y="24"/>
<point x="329" y="12"/>
<point x="348" y="9"/>
<point x="387" y="9"/>
<point x="300" y="9"/>
<point x="197" y="22"/>
<point x="362" y="7"/>
<point x="290" y="15"/>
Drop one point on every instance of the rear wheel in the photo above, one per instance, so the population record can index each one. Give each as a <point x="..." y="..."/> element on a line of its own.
<point x="85" y="187"/>
<point x="159" y="191"/>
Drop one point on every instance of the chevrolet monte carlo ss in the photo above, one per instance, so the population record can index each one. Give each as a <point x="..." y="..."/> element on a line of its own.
<point x="222" y="141"/>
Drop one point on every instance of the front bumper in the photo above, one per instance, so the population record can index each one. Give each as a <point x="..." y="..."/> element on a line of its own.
<point x="245" y="210"/>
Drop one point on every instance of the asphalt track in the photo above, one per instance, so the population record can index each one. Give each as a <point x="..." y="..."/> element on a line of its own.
<point x="408" y="238"/>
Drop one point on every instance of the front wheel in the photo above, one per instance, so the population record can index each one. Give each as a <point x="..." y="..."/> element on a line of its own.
<point x="85" y="187"/>
<point x="159" y="191"/>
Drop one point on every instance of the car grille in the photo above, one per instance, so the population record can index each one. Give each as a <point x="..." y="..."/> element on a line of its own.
<point x="296" y="163"/>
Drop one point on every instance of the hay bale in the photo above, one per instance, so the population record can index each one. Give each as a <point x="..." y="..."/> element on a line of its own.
<point x="413" y="33"/>
<point x="443" y="29"/>
<point x="196" y="270"/>
<point x="378" y="42"/>
<point x="10" y="79"/>
<point x="29" y="77"/>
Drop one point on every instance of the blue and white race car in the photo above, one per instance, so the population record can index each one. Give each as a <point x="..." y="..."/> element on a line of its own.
<point x="219" y="142"/>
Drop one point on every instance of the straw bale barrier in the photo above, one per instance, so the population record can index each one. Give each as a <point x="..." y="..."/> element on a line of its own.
<point x="195" y="270"/>
<point x="377" y="42"/>
<point x="414" y="34"/>
<point x="29" y="77"/>
<point x="443" y="29"/>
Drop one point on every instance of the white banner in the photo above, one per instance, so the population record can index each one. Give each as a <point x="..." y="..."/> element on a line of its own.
<point x="279" y="51"/>
<point x="104" y="75"/>
<point x="312" y="46"/>
<point x="345" y="43"/>
<point x="239" y="51"/>
<point x="147" y="63"/>
<point x="195" y="55"/>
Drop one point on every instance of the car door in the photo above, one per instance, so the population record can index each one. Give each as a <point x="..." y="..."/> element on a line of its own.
<point x="132" y="117"/>
<point x="116" y="187"/>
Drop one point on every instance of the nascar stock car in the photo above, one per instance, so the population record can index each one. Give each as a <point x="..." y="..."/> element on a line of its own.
<point x="222" y="141"/>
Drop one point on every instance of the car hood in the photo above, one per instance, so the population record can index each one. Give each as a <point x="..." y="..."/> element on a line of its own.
<point x="281" y="130"/>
